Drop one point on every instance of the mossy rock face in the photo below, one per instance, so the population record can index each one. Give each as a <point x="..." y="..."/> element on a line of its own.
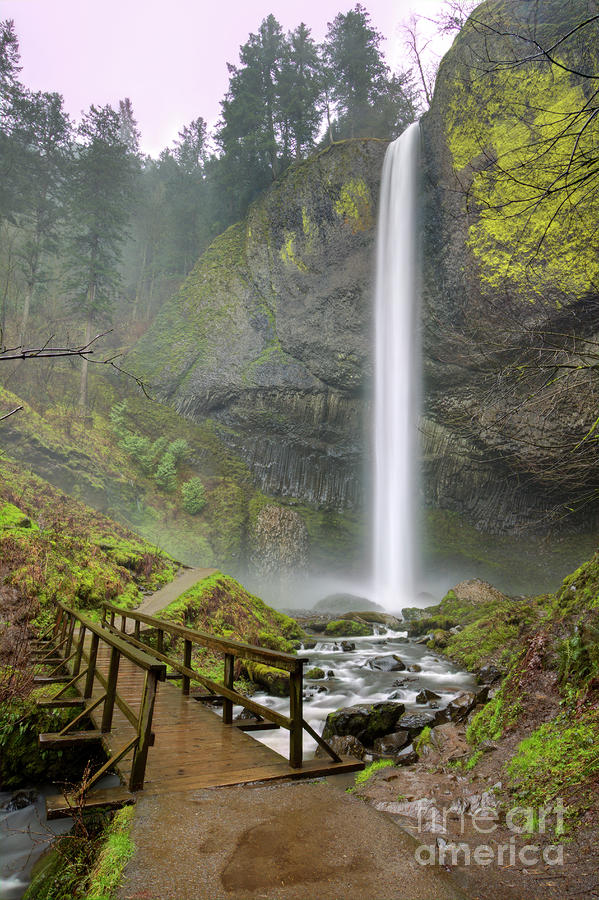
<point x="500" y="267"/>
<point x="347" y="628"/>
<point x="269" y="334"/>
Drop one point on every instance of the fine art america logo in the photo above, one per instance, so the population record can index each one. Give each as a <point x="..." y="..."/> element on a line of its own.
<point x="521" y="822"/>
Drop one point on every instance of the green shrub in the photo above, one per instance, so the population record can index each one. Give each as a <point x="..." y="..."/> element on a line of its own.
<point x="194" y="496"/>
<point x="179" y="450"/>
<point x="166" y="473"/>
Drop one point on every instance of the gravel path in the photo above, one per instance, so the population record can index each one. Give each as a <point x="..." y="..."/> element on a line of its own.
<point x="290" y="841"/>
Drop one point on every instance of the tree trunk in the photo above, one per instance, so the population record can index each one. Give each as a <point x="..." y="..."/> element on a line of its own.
<point x="25" y="316"/>
<point x="84" y="361"/>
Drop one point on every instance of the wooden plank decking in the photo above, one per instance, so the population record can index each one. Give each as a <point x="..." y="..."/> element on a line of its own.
<point x="192" y="748"/>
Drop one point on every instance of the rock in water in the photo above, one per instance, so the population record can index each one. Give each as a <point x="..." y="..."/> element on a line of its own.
<point x="391" y="744"/>
<point x="426" y="696"/>
<point x="344" y="745"/>
<point x="342" y="603"/>
<point x="386" y="664"/>
<point x="367" y="721"/>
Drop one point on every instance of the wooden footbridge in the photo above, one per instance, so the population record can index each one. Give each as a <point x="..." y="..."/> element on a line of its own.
<point x="157" y="731"/>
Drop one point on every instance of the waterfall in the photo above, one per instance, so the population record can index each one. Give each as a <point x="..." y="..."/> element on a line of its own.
<point x="396" y="387"/>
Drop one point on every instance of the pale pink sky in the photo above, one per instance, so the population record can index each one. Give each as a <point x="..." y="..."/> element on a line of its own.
<point x="168" y="57"/>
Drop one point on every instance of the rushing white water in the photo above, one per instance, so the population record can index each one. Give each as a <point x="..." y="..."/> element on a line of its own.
<point x="396" y="386"/>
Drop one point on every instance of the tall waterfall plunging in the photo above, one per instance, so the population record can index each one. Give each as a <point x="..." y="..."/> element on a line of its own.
<point x="396" y="386"/>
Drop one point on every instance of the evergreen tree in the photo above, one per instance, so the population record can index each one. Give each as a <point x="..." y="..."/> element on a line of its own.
<point x="300" y="88"/>
<point x="250" y="126"/>
<point x="45" y="134"/>
<point x="356" y="69"/>
<point x="129" y="133"/>
<point x="10" y="92"/>
<point x="100" y="196"/>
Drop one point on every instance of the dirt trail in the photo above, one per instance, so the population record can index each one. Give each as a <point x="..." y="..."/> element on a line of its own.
<point x="291" y="841"/>
<point x="169" y="593"/>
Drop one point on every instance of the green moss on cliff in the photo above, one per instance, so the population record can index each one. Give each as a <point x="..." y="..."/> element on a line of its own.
<point x="514" y="134"/>
<point x="354" y="205"/>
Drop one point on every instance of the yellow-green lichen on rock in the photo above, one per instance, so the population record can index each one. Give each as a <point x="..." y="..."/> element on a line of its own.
<point x="519" y="137"/>
<point x="354" y="205"/>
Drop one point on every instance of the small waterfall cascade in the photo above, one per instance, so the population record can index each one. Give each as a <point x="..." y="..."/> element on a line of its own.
<point x="396" y="382"/>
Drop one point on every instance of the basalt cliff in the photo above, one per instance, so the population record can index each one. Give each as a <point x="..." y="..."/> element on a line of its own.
<point x="270" y="336"/>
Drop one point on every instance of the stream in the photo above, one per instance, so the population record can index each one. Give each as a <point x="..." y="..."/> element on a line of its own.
<point x="354" y="682"/>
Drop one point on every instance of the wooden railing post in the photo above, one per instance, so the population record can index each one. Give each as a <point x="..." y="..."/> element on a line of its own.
<point x="296" y="733"/>
<point x="77" y="666"/>
<point x="70" y="639"/>
<point x="144" y="732"/>
<point x="93" y="655"/>
<point x="123" y="624"/>
<point x="136" y="629"/>
<point x="228" y="680"/>
<point x="186" y="662"/>
<point x="113" y="674"/>
<point x="112" y="618"/>
<point x="59" y="615"/>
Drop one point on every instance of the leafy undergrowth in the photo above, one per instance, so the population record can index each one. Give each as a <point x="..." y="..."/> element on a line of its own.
<point x="557" y="758"/>
<point x="220" y="605"/>
<point x="54" y="547"/>
<point x="88" y="863"/>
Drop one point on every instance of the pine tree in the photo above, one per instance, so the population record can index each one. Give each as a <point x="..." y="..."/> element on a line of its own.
<point x="100" y="186"/>
<point x="299" y="88"/>
<point x="356" y="69"/>
<point x="45" y="132"/>
<point x="10" y="148"/>
<point x="250" y="128"/>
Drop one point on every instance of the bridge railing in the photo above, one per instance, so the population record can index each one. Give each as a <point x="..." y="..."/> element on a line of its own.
<point x="65" y="651"/>
<point x="231" y="651"/>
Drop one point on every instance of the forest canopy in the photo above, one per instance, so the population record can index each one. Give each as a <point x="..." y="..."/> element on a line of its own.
<point x="93" y="231"/>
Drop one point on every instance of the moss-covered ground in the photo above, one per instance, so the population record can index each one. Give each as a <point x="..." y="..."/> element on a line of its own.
<point x="54" y="547"/>
<point x="545" y="711"/>
<point x="221" y="606"/>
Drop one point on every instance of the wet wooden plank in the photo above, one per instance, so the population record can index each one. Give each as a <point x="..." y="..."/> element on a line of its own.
<point x="57" y="807"/>
<point x="51" y="738"/>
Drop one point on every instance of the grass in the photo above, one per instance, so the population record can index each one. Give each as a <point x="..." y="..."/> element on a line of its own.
<point x="116" y="851"/>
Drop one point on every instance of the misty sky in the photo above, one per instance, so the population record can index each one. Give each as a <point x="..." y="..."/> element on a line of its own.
<point x="169" y="58"/>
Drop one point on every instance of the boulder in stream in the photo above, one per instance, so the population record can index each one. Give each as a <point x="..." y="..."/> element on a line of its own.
<point x="426" y="696"/>
<point x="415" y="722"/>
<point x="315" y="673"/>
<point x="367" y="721"/>
<point x="391" y="744"/>
<point x="386" y="664"/>
<point x="344" y="745"/>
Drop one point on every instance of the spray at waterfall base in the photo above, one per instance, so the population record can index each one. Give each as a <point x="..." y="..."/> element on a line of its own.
<point x="521" y="822"/>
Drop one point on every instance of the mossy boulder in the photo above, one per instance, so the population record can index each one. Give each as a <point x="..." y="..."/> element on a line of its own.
<point x="347" y="628"/>
<point x="221" y="606"/>
<point x="315" y="673"/>
<point x="273" y="681"/>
